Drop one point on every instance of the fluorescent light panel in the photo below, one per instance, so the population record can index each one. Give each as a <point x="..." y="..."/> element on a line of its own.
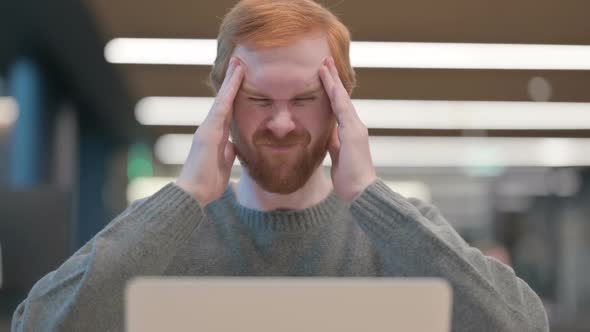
<point x="8" y="111"/>
<point x="438" y="151"/>
<point x="161" y="51"/>
<point x="401" y="114"/>
<point x="372" y="54"/>
<point x="146" y="186"/>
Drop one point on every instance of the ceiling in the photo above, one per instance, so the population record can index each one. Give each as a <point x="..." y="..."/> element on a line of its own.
<point x="77" y="52"/>
<point x="523" y="21"/>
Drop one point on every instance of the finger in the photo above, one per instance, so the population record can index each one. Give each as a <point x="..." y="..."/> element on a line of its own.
<point x="334" y="72"/>
<point x="327" y="79"/>
<point x="231" y="85"/>
<point x="334" y="147"/>
<point x="227" y="79"/>
<point x="330" y="80"/>
<point x="229" y="154"/>
<point x="329" y="86"/>
<point x="341" y="91"/>
<point x="339" y="98"/>
<point x="224" y="100"/>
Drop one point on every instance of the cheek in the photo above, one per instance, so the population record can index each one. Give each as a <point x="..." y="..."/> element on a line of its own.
<point x="245" y="118"/>
<point x="323" y="107"/>
<point x="318" y="121"/>
<point x="326" y="116"/>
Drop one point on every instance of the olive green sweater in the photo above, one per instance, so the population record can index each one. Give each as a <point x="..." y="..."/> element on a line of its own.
<point x="379" y="234"/>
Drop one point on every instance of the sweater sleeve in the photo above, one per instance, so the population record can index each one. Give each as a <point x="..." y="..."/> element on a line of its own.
<point x="86" y="293"/>
<point x="413" y="237"/>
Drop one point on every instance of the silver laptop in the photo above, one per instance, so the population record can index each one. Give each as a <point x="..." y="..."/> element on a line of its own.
<point x="287" y="304"/>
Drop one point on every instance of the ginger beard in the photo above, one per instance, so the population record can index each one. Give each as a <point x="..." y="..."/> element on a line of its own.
<point x="281" y="173"/>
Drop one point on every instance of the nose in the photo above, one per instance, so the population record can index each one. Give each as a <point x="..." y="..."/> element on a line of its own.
<point x="281" y="122"/>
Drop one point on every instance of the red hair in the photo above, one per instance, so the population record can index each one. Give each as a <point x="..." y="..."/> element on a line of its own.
<point x="276" y="23"/>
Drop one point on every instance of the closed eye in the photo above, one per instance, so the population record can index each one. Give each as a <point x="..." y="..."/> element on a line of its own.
<point x="261" y="101"/>
<point x="303" y="100"/>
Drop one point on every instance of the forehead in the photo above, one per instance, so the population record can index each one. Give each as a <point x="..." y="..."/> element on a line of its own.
<point x="282" y="72"/>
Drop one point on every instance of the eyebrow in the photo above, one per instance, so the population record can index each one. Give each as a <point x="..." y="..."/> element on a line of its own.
<point x="310" y="91"/>
<point x="251" y="91"/>
<point x="255" y="93"/>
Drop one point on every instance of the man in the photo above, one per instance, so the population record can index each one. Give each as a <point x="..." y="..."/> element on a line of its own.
<point x="283" y="82"/>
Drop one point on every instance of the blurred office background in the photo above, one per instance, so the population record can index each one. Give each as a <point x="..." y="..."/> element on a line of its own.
<point x="494" y="129"/>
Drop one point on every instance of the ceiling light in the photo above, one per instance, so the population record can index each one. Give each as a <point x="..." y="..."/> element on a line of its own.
<point x="161" y="51"/>
<point x="173" y="111"/>
<point x="401" y="114"/>
<point x="146" y="186"/>
<point x="372" y="54"/>
<point x="469" y="152"/>
<point x="470" y="56"/>
<point x="415" y="189"/>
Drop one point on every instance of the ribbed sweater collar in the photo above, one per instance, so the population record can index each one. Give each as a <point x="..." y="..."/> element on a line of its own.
<point x="326" y="211"/>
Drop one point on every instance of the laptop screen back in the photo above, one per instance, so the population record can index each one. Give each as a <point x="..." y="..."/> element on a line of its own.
<point x="288" y="304"/>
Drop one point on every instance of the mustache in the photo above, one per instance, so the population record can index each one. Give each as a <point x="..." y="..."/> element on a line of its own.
<point x="266" y="137"/>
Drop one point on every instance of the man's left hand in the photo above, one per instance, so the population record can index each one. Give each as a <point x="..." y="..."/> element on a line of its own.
<point x="352" y="165"/>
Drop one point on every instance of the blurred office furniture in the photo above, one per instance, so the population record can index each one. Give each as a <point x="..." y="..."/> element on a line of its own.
<point x="52" y="57"/>
<point x="36" y="230"/>
<point x="74" y="115"/>
<point x="1" y="274"/>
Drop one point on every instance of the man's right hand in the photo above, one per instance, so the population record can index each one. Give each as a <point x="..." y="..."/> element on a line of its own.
<point x="206" y="172"/>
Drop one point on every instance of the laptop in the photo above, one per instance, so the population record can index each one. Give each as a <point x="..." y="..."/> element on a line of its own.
<point x="224" y="304"/>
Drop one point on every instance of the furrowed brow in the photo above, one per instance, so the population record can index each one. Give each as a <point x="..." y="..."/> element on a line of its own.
<point x="251" y="91"/>
<point x="310" y="91"/>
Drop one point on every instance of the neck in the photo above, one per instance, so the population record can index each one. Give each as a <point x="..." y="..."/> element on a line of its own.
<point x="251" y="195"/>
